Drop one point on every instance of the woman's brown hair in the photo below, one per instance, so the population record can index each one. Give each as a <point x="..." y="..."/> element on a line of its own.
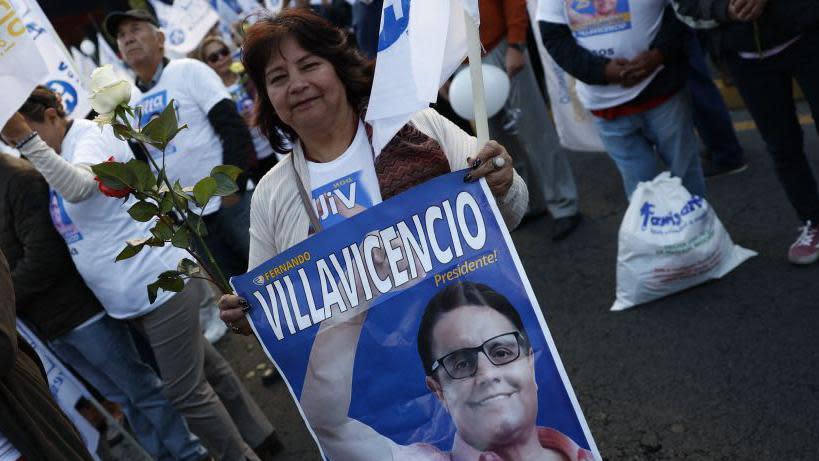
<point x="317" y="36"/>
<point x="41" y="98"/>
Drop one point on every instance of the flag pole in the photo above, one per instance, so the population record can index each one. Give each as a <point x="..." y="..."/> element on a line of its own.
<point x="476" y="74"/>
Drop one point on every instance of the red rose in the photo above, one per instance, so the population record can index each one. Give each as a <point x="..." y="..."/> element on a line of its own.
<point x="110" y="191"/>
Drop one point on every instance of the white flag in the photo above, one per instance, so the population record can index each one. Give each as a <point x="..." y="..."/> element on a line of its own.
<point x="421" y="43"/>
<point x="21" y="67"/>
<point x="185" y="23"/>
<point x="107" y="55"/>
<point x="85" y="65"/>
<point x="64" y="77"/>
<point x="575" y="125"/>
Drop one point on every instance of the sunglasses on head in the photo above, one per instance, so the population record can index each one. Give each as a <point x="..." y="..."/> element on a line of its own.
<point x="218" y="54"/>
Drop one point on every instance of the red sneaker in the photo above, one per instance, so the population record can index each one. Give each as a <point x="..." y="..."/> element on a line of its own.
<point x="806" y="248"/>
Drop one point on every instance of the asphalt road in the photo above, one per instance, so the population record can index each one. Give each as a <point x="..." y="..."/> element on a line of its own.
<point x="724" y="371"/>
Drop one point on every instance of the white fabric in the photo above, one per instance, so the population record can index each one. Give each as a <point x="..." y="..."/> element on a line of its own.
<point x="624" y="34"/>
<point x="96" y="230"/>
<point x="7" y="450"/>
<point x="21" y="67"/>
<point x="244" y="104"/>
<point x="765" y="54"/>
<point x="195" y="89"/>
<point x="417" y="52"/>
<point x="63" y="75"/>
<point x="85" y="65"/>
<point x="670" y="241"/>
<point x="277" y="216"/>
<point x="346" y="185"/>
<point x="185" y="23"/>
<point x="74" y="183"/>
<point x="575" y="125"/>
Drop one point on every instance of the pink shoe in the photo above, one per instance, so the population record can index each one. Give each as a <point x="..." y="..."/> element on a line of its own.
<point x="806" y="248"/>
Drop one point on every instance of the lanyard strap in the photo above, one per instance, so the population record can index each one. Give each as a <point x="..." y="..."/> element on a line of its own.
<point x="305" y="200"/>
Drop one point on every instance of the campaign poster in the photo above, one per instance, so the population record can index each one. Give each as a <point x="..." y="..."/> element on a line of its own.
<point x="410" y="332"/>
<point x="595" y="17"/>
<point x="66" y="389"/>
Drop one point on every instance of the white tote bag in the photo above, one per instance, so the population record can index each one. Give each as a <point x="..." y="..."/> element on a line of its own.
<point x="669" y="241"/>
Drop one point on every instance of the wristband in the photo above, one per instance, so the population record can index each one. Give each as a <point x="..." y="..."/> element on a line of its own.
<point x="25" y="140"/>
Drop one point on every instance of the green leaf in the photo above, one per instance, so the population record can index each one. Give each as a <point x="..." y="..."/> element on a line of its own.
<point x="155" y="242"/>
<point x="162" y="129"/>
<point x="181" y="238"/>
<point x="230" y="171"/>
<point x="224" y="185"/>
<point x="162" y="231"/>
<point x="143" y="211"/>
<point x="145" y="179"/>
<point x="166" y="203"/>
<point x="168" y="281"/>
<point x="197" y="224"/>
<point x="204" y="190"/>
<point x="188" y="267"/>
<point x="132" y="247"/>
<point x="114" y="174"/>
<point x="122" y="132"/>
<point x="182" y="196"/>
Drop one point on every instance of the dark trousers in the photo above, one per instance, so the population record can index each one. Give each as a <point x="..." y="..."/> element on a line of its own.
<point x="767" y="88"/>
<point x="711" y="117"/>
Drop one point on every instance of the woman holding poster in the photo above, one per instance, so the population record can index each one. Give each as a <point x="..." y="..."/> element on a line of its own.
<point x="479" y="364"/>
<point x="316" y="86"/>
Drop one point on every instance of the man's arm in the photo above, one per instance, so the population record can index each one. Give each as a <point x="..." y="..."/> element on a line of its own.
<point x="517" y="23"/>
<point x="237" y="145"/>
<point x="581" y="63"/>
<point x="8" y="328"/>
<point x="44" y="254"/>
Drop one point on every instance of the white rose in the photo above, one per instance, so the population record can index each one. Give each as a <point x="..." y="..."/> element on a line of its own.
<point x="108" y="90"/>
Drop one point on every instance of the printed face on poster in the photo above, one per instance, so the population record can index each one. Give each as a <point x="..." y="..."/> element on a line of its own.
<point x="410" y="332"/>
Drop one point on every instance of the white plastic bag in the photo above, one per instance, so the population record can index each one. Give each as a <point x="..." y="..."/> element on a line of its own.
<point x="669" y="241"/>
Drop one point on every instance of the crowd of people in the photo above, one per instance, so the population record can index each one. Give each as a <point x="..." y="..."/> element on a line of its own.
<point x="285" y="103"/>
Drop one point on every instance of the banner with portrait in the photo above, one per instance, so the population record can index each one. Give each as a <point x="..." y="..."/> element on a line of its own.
<point x="410" y="332"/>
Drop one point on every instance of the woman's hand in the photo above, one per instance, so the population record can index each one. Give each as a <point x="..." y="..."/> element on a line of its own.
<point x="494" y="164"/>
<point x="232" y="311"/>
<point x="16" y="130"/>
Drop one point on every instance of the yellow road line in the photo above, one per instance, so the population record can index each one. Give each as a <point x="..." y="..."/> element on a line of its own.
<point x="748" y="125"/>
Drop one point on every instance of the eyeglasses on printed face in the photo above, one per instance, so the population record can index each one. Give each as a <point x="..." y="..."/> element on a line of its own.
<point x="463" y="363"/>
<point x="218" y="54"/>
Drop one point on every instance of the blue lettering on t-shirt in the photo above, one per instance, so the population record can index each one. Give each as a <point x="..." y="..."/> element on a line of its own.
<point x="62" y="222"/>
<point x="336" y="201"/>
<point x="153" y="105"/>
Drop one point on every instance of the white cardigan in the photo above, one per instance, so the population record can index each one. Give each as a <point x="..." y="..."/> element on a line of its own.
<point x="278" y="219"/>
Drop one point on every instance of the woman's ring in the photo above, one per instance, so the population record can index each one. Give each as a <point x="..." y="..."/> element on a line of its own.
<point x="499" y="162"/>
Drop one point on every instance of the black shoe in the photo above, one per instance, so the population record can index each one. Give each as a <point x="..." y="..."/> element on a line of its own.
<point x="714" y="170"/>
<point x="565" y="226"/>
<point x="268" y="449"/>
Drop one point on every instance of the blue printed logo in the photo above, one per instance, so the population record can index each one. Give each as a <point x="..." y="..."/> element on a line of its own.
<point x="66" y="92"/>
<point x="62" y="222"/>
<point x="152" y="106"/>
<point x="176" y="37"/>
<point x="671" y="218"/>
<point x="340" y="199"/>
<point x="259" y="280"/>
<point x="35" y="30"/>
<point x="394" y="22"/>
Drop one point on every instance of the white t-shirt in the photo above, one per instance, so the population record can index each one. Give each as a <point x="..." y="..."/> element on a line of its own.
<point x="245" y="103"/>
<point x="624" y="29"/>
<point x="346" y="185"/>
<point x="195" y="89"/>
<point x="96" y="230"/>
<point x="7" y="450"/>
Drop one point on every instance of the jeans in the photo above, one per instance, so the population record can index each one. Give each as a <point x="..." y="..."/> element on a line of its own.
<point x="711" y="117"/>
<point x="228" y="236"/>
<point x="766" y="85"/>
<point x="104" y="354"/>
<point x="634" y="141"/>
